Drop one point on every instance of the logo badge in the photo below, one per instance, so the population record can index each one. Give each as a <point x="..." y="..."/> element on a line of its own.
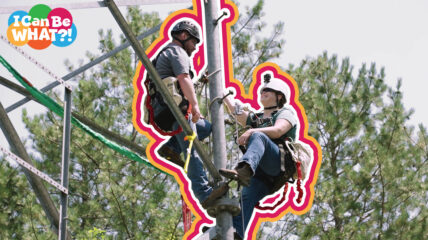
<point x="41" y="27"/>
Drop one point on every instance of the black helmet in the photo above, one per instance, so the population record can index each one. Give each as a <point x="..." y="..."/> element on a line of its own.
<point x="189" y="27"/>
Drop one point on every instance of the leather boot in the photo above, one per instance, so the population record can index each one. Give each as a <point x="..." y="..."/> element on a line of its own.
<point x="215" y="194"/>
<point x="242" y="173"/>
<point x="171" y="155"/>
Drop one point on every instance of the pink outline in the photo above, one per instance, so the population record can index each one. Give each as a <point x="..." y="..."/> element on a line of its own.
<point x="228" y="71"/>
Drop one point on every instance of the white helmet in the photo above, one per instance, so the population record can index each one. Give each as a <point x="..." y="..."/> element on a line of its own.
<point x="275" y="84"/>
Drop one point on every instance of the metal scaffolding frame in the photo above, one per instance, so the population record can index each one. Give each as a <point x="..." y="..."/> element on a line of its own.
<point x="224" y="207"/>
<point x="34" y="176"/>
<point x="85" y="67"/>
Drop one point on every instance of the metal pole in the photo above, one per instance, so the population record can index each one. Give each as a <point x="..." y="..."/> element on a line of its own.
<point x="36" y="183"/>
<point x="161" y="86"/>
<point x="223" y="217"/>
<point x="65" y="159"/>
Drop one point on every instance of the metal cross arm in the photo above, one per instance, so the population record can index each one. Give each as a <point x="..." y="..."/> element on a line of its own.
<point x="91" y="4"/>
<point x="139" y="50"/>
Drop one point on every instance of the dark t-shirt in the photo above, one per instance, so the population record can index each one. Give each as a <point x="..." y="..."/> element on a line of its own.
<point x="172" y="61"/>
<point x="286" y="113"/>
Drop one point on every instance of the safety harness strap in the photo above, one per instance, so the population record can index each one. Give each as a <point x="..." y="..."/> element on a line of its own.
<point x="189" y="138"/>
<point x="187" y="214"/>
<point x="162" y="123"/>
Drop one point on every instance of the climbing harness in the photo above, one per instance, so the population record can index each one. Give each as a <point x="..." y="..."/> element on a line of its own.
<point x="295" y="160"/>
<point x="284" y="193"/>
<point x="301" y="155"/>
<point x="157" y="112"/>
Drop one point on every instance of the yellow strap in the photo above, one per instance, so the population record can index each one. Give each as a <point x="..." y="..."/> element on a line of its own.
<point x="189" y="149"/>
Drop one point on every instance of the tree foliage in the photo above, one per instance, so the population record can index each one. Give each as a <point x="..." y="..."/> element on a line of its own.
<point x="249" y="49"/>
<point x="20" y="215"/>
<point x="372" y="183"/>
<point x="117" y="197"/>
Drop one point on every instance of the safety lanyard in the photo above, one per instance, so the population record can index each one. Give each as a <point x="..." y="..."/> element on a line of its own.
<point x="190" y="138"/>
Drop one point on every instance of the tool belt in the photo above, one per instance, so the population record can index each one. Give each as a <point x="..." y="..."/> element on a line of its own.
<point x="157" y="113"/>
<point x="288" y="167"/>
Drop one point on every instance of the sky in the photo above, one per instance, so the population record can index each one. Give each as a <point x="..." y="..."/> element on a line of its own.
<point x="391" y="33"/>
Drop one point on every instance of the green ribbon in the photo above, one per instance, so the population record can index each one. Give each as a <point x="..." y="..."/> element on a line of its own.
<point x="56" y="108"/>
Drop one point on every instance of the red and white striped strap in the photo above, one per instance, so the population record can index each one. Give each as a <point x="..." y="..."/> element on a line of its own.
<point x="34" y="170"/>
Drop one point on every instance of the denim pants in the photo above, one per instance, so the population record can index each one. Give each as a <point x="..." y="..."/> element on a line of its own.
<point x="203" y="130"/>
<point x="195" y="171"/>
<point x="263" y="155"/>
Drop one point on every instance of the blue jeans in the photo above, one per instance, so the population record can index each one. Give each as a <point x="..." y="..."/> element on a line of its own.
<point x="203" y="129"/>
<point x="195" y="171"/>
<point x="262" y="155"/>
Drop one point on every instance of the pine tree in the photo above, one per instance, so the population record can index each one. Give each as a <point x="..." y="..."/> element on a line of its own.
<point x="249" y="47"/>
<point x="108" y="192"/>
<point x="372" y="183"/>
<point x="110" y="195"/>
<point x="20" y="214"/>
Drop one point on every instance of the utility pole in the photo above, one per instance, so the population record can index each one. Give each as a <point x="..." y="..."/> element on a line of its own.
<point x="224" y="207"/>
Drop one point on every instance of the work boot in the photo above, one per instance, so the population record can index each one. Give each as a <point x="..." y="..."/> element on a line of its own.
<point x="215" y="194"/>
<point x="171" y="155"/>
<point x="242" y="173"/>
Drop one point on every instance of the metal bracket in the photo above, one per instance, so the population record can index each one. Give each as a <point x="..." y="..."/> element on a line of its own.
<point x="215" y="22"/>
<point x="219" y="99"/>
